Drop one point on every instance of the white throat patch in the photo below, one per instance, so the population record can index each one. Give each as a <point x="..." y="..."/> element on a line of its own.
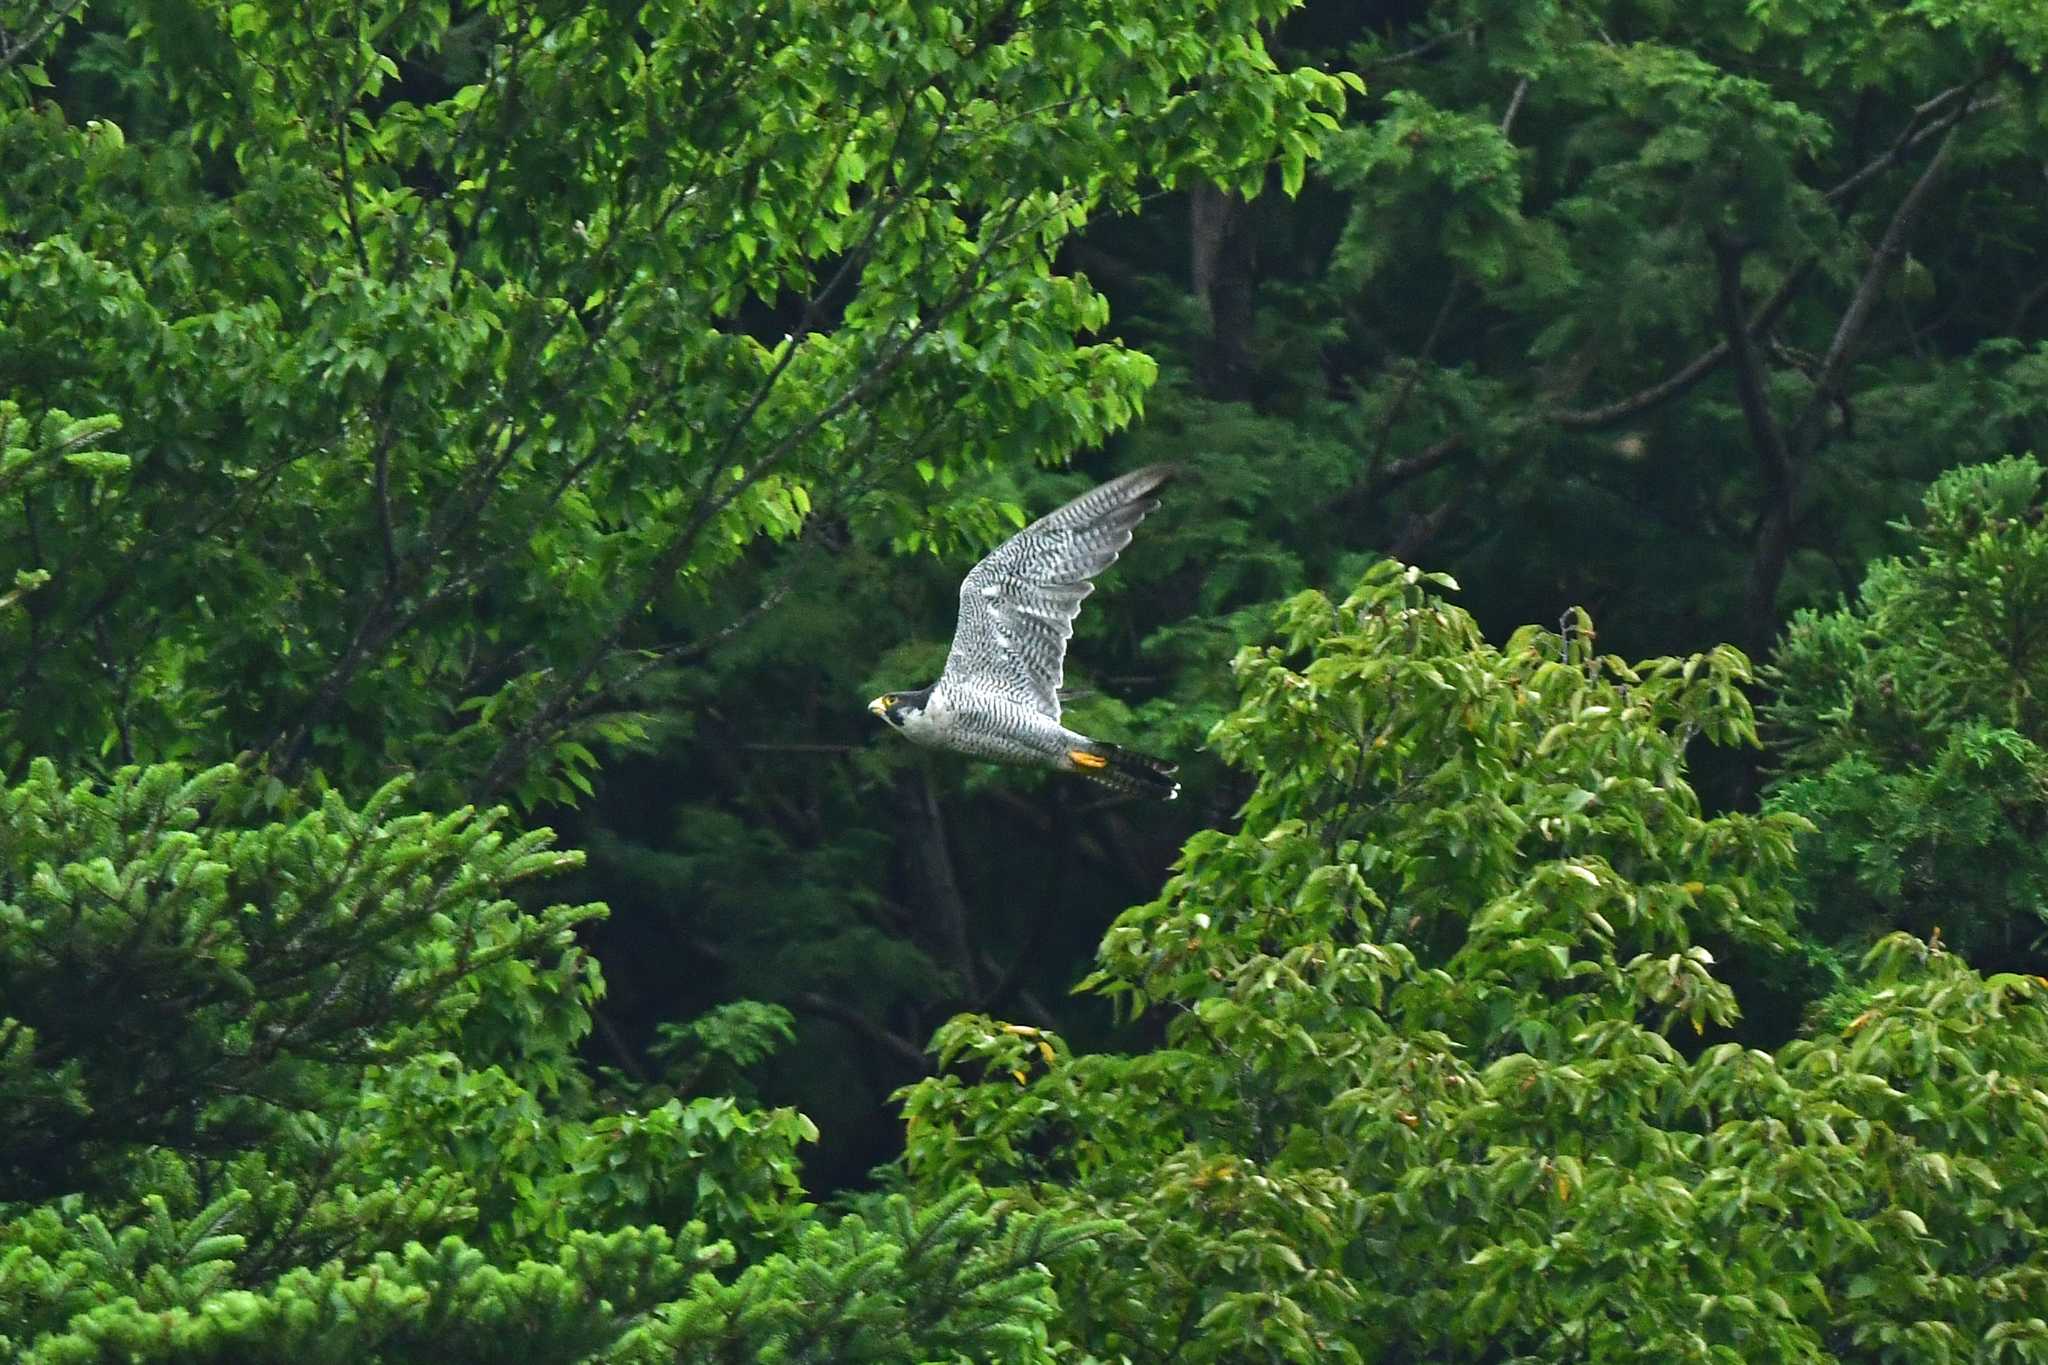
<point x="925" y="723"/>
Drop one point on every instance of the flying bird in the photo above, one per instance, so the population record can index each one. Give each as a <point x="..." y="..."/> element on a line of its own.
<point x="999" y="694"/>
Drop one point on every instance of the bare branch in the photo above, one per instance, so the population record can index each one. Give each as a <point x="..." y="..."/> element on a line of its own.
<point x="1412" y="375"/>
<point x="857" y="478"/>
<point x="2029" y="301"/>
<point x="1008" y="985"/>
<point x="1764" y="429"/>
<point x="34" y="38"/>
<point x="1426" y="527"/>
<point x="1781" y="474"/>
<point x="348" y="188"/>
<point x="1912" y="137"/>
<point x="1422" y="49"/>
<point x="1707" y="362"/>
<point x="1890" y="249"/>
<point x="380" y="461"/>
<point x="1507" y="120"/>
<point x="384" y="619"/>
<point x="665" y="565"/>
<point x="932" y="854"/>
<point x="801" y="748"/>
<point x="825" y="1007"/>
<point x="1402" y="471"/>
<point x="1416" y="465"/>
<point x="1644" y="400"/>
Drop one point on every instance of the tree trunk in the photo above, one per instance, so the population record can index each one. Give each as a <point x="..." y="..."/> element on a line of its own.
<point x="942" y="909"/>
<point x="1220" y="263"/>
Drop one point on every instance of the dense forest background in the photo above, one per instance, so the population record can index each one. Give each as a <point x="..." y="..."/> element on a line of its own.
<point x="424" y="427"/>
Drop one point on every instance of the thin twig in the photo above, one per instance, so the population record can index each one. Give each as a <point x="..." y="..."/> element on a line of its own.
<point x="801" y="748"/>
<point x="1896" y="153"/>
<point x="1643" y="400"/>
<point x="673" y="555"/>
<point x="1507" y="120"/>
<point x="49" y="25"/>
<point x="1890" y="250"/>
<point x="1421" y="49"/>
<point x="825" y="1007"/>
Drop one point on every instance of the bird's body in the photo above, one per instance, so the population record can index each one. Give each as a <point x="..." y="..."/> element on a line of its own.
<point x="999" y="695"/>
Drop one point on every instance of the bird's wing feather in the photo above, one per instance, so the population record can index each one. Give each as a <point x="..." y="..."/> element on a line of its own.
<point x="1017" y="606"/>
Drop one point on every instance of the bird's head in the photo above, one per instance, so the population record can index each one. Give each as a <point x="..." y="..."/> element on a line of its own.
<point x="897" y="707"/>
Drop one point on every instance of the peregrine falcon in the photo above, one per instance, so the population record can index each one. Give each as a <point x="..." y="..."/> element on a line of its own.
<point x="999" y="694"/>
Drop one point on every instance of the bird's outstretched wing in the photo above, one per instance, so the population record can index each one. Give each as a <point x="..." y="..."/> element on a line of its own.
<point x="1017" y="606"/>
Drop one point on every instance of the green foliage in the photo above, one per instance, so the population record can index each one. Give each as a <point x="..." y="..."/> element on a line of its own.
<point x="947" y="1282"/>
<point x="477" y="371"/>
<point x="250" y="964"/>
<point x="1485" y="335"/>
<point x="456" y="349"/>
<point x="445" y="1302"/>
<point x="1497" y="321"/>
<point x="27" y="458"/>
<point x="505" y="396"/>
<point x="307" y="1090"/>
<point x="1419" y="1095"/>
<point x="1914" y="724"/>
<point x="718" y="1046"/>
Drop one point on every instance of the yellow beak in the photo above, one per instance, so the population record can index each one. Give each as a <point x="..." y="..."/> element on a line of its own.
<point x="875" y="708"/>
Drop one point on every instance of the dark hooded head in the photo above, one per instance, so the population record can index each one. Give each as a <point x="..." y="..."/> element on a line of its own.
<point x="896" y="707"/>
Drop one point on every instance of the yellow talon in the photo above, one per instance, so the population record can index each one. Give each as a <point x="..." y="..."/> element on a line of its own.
<point x="1083" y="759"/>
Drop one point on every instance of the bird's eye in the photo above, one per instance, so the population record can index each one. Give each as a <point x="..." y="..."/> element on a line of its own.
<point x="889" y="700"/>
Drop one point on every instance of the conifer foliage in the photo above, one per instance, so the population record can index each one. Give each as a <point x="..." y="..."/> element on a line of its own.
<point x="1913" y="724"/>
<point x="175" y="981"/>
<point x="306" y="1090"/>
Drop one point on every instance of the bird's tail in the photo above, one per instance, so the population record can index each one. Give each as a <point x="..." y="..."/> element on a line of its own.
<point x="1127" y="770"/>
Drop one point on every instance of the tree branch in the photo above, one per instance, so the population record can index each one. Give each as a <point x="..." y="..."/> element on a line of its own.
<point x="1912" y="137"/>
<point x="934" y="859"/>
<point x="1656" y="395"/>
<point x="1436" y="454"/>
<point x="49" y="25"/>
<point x="1425" y="528"/>
<point x="1422" y="49"/>
<point x="1767" y="564"/>
<point x="348" y="188"/>
<point x="825" y="1007"/>
<point x="665" y="565"/>
<point x="1889" y="251"/>
<point x="1750" y="385"/>
<point x="857" y="480"/>
<point x="1416" y="465"/>
<point x="380" y="464"/>
<point x="1507" y="120"/>
<point x="1402" y="471"/>
<point x="2027" y="304"/>
<point x="385" y="618"/>
<point x="1008" y="982"/>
